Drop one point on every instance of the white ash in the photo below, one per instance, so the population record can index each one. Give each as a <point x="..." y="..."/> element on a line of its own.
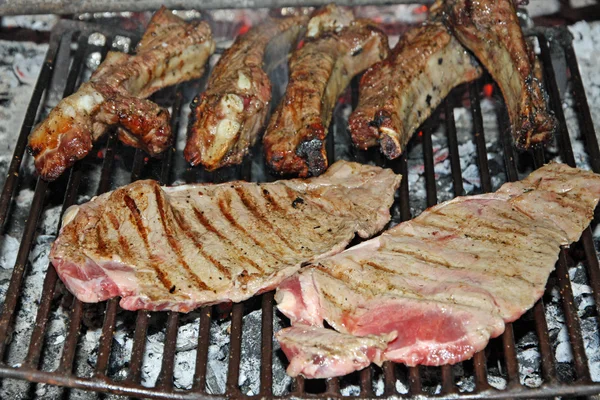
<point x="529" y="359"/>
<point x="35" y="22"/>
<point x="20" y="63"/>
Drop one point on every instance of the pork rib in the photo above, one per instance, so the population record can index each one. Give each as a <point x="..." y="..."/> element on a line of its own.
<point x="319" y="71"/>
<point x="398" y="94"/>
<point x="491" y="30"/>
<point x="227" y="118"/>
<point x="443" y="283"/>
<point x="170" y="52"/>
<point x="177" y="248"/>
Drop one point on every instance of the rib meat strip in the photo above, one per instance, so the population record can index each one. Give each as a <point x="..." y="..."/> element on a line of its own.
<point x="491" y="30"/>
<point x="398" y="94"/>
<point x="227" y="118"/>
<point x="319" y="72"/>
<point x="441" y="284"/>
<point x="178" y="248"/>
<point x="171" y="51"/>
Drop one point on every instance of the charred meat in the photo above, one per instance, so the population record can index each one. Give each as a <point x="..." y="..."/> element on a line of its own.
<point x="227" y="118"/>
<point x="398" y="94"/>
<point x="491" y="30"/>
<point x="319" y="72"/>
<point x="171" y="51"/>
<point x="446" y="282"/>
<point x="178" y="248"/>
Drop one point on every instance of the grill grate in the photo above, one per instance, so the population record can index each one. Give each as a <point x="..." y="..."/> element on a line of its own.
<point x="101" y="379"/>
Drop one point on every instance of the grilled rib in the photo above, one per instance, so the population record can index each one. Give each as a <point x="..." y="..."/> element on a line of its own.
<point x="227" y="118"/>
<point x="445" y="282"/>
<point x="319" y="71"/>
<point x="398" y="94"/>
<point x="491" y="30"/>
<point x="177" y="248"/>
<point x="171" y="51"/>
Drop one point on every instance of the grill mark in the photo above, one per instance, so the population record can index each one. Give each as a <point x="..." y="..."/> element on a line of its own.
<point x="210" y="227"/>
<point x="379" y="267"/>
<point x="447" y="265"/>
<point x="123" y="243"/>
<point x="139" y="224"/>
<point x="487" y="224"/>
<point x="173" y="242"/>
<point x="342" y="277"/>
<point x="186" y="229"/>
<point x="271" y="200"/>
<point x="251" y="206"/>
<point x="332" y="300"/>
<point x="224" y="210"/>
<point x="101" y="230"/>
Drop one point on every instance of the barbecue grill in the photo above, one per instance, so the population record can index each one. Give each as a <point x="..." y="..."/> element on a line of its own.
<point x="72" y="44"/>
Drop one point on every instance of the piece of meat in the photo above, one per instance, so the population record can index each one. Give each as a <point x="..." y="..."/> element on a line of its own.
<point x="312" y="349"/>
<point x="178" y="248"/>
<point x="226" y="119"/>
<point x="491" y="30"/>
<point x="447" y="281"/>
<point x="171" y="51"/>
<point x="398" y="94"/>
<point x="329" y="18"/>
<point x="294" y="141"/>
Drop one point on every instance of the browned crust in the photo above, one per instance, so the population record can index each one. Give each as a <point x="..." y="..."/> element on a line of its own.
<point x="491" y="30"/>
<point x="294" y="142"/>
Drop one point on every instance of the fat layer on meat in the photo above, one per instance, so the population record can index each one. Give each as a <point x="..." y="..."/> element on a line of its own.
<point x="445" y="282"/>
<point x="178" y="248"/>
<point x="491" y="30"/>
<point x="294" y="141"/>
<point x="398" y="94"/>
<point x="171" y="51"/>
<point x="227" y="118"/>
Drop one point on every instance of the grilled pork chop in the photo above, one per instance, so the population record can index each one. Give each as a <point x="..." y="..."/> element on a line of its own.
<point x="319" y="71"/>
<point x="177" y="248"/>
<point x="170" y="52"/>
<point x="227" y="118"/>
<point x="438" y="287"/>
<point x="491" y="30"/>
<point x="398" y="94"/>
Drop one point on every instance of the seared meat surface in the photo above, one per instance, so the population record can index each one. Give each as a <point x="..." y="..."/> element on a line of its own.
<point x="491" y="30"/>
<point x="438" y="287"/>
<point x="178" y="248"/>
<point x="227" y="118"/>
<point x="319" y="72"/>
<point x="398" y="94"/>
<point x="171" y="51"/>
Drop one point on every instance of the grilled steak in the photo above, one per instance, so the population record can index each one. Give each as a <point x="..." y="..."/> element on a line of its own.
<point x="319" y="71"/>
<point x="398" y="94"/>
<point x="443" y="283"/>
<point x="227" y="118"/>
<point x="171" y="51"/>
<point x="491" y="30"/>
<point x="177" y="248"/>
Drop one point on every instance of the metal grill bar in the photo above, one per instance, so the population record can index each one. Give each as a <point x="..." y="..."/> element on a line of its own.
<point x="414" y="381"/>
<point x="235" y="349"/>
<point x="266" y="359"/>
<point x="202" y="352"/>
<point x="366" y="388"/>
<point x="12" y="294"/>
<point x="165" y="381"/>
<point x="457" y="183"/>
<point x="12" y="175"/>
